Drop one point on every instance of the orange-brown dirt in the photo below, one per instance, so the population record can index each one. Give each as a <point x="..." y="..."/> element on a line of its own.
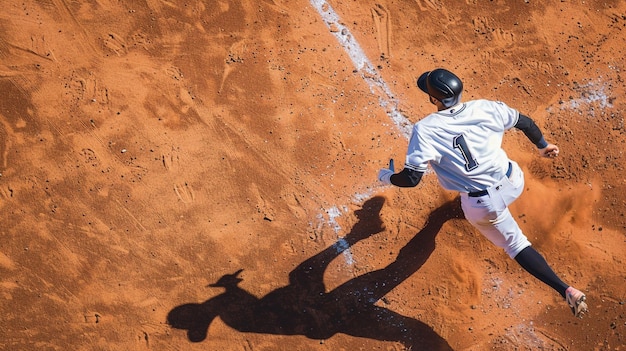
<point x="188" y="176"/>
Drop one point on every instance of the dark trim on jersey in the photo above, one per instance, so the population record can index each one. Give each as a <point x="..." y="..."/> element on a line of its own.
<point x="453" y="111"/>
<point x="406" y="178"/>
<point x="531" y="130"/>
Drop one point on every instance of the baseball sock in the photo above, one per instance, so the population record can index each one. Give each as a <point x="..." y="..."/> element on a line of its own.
<point x="535" y="264"/>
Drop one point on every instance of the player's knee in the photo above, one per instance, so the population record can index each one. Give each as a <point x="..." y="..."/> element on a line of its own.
<point x="517" y="247"/>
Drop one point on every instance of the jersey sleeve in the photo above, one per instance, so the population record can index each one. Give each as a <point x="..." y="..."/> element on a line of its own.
<point x="509" y="115"/>
<point x="419" y="152"/>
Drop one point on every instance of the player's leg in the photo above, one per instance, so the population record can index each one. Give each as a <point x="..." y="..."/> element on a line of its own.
<point x="534" y="263"/>
<point x="498" y="225"/>
<point x="495" y="222"/>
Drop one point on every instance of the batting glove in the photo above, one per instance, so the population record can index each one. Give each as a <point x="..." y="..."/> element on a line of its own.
<point x="384" y="175"/>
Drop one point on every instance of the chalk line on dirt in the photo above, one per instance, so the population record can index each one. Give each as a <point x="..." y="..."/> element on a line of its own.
<point x="363" y="65"/>
<point x="377" y="86"/>
<point x="341" y="245"/>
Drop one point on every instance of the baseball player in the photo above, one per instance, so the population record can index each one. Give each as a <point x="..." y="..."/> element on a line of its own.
<point x="462" y="143"/>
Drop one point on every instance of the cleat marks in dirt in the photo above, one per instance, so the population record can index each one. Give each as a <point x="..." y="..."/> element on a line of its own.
<point x="382" y="20"/>
<point x="85" y="88"/>
<point x="184" y="192"/>
<point x="500" y="37"/>
<point x="115" y="43"/>
<point x="426" y="5"/>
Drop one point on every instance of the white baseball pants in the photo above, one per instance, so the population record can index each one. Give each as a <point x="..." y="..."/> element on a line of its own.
<point x="491" y="216"/>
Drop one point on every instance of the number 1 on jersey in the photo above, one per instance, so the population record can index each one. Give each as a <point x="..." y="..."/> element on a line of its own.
<point x="459" y="143"/>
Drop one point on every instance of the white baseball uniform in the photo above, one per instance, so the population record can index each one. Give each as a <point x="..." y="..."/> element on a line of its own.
<point x="462" y="142"/>
<point x="463" y="146"/>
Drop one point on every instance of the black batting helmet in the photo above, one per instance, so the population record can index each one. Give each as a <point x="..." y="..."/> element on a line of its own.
<point x="441" y="84"/>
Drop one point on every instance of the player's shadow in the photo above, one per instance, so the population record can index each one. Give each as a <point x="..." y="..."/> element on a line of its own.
<point x="304" y="307"/>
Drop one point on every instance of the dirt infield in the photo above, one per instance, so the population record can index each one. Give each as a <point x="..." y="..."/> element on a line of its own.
<point x="202" y="175"/>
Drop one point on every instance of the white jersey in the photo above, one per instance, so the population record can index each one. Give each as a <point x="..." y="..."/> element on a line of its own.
<point x="463" y="144"/>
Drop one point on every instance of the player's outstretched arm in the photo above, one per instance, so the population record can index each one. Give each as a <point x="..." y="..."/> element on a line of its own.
<point x="533" y="133"/>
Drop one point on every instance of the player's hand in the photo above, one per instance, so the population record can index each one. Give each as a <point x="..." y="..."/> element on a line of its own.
<point x="384" y="175"/>
<point x="549" y="151"/>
